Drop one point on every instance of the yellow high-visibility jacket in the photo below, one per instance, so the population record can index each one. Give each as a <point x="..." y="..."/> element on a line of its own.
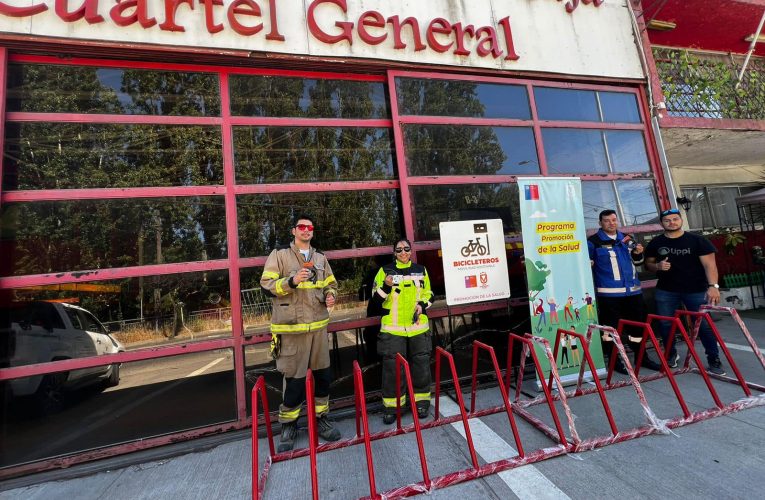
<point x="301" y="309"/>
<point x="401" y="299"/>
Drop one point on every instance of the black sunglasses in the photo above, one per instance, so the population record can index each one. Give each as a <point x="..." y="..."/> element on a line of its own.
<point x="671" y="211"/>
<point x="404" y="249"/>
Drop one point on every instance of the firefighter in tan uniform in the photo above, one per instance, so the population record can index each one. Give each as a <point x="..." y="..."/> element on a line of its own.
<point x="303" y="288"/>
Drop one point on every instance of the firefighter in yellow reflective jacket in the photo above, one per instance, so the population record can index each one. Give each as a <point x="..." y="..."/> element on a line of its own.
<point x="302" y="285"/>
<point x="403" y="288"/>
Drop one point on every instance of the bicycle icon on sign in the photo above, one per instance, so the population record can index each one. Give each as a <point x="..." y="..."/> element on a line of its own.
<point x="474" y="248"/>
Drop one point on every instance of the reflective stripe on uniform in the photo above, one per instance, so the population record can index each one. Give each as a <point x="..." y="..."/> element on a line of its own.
<point x="634" y="339"/>
<point x="289" y="415"/>
<point x="270" y="275"/>
<point x="421" y="396"/>
<point x="322" y="409"/>
<point x="318" y="284"/>
<point x="407" y="331"/>
<point x="618" y="290"/>
<point x="615" y="265"/>
<point x="280" y="287"/>
<point x="381" y="293"/>
<point x="299" y="327"/>
<point x="391" y="402"/>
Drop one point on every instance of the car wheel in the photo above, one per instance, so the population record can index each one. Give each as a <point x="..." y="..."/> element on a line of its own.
<point x="114" y="376"/>
<point x="49" y="397"/>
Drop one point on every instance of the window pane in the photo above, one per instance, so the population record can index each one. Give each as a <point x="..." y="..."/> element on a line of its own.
<point x="700" y="215"/>
<point x="48" y="88"/>
<point x="136" y="312"/>
<point x="305" y="154"/>
<point x="627" y="150"/>
<point x="346" y="219"/>
<point x="460" y="98"/>
<point x="467" y="150"/>
<point x="307" y="98"/>
<point x="566" y="104"/>
<point x="53" y="236"/>
<point x="91" y="155"/>
<point x="639" y="203"/>
<point x="619" y="107"/>
<point x="116" y="404"/>
<point x="723" y="201"/>
<point x="435" y="204"/>
<point x="574" y="151"/>
<point x="596" y="197"/>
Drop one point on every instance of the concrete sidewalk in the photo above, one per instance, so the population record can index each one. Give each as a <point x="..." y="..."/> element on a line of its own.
<point x="719" y="458"/>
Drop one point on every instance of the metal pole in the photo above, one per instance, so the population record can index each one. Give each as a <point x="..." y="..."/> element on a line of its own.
<point x="752" y="45"/>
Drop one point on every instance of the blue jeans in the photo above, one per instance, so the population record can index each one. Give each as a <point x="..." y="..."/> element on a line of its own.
<point x="666" y="305"/>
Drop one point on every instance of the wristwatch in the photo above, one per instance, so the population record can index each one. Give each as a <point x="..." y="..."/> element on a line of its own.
<point x="713" y="284"/>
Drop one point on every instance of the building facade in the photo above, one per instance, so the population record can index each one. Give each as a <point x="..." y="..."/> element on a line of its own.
<point x="156" y="151"/>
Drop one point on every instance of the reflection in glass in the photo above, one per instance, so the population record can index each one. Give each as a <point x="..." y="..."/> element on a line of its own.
<point x="307" y="98"/>
<point x="700" y="216"/>
<point x="639" y="203"/>
<point x="135" y="312"/>
<point x="596" y="197"/>
<point x="566" y="104"/>
<point x="93" y="155"/>
<point x="346" y="219"/>
<point x="435" y="204"/>
<point x="354" y="279"/>
<point x="49" y="88"/>
<point x="52" y="236"/>
<point x="619" y="107"/>
<point x="469" y="150"/>
<point x="574" y="151"/>
<point x="305" y="154"/>
<point x="151" y="398"/>
<point x="461" y="98"/>
<point x="627" y="151"/>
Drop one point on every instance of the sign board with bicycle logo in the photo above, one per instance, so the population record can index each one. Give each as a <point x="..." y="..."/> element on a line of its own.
<point x="475" y="262"/>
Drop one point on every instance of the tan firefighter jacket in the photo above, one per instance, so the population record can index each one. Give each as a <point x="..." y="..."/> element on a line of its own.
<point x="302" y="309"/>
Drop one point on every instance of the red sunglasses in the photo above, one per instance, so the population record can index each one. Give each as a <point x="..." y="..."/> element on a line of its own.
<point x="305" y="227"/>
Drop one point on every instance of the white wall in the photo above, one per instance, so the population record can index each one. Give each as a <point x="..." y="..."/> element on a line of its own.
<point x="591" y="41"/>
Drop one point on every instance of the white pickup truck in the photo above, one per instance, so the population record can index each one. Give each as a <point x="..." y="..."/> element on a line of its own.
<point x="47" y="331"/>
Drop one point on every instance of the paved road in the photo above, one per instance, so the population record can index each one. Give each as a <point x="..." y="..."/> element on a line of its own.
<point x="718" y="458"/>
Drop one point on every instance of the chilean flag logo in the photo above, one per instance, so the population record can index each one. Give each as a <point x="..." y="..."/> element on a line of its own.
<point x="531" y="191"/>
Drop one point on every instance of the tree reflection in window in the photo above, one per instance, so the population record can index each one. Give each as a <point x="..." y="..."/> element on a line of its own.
<point x="345" y="219"/>
<point x="306" y="154"/>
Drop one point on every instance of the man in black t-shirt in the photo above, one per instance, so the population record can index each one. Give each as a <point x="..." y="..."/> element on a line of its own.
<point x="687" y="272"/>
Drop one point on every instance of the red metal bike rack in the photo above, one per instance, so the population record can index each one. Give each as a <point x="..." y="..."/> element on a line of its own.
<point x="564" y="445"/>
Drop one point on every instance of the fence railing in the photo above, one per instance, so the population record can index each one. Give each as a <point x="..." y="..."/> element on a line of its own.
<point x="701" y="85"/>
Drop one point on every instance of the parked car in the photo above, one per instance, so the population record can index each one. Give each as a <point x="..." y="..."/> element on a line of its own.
<point x="39" y="332"/>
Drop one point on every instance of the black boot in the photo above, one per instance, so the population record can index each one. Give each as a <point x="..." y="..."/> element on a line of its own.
<point x="647" y="362"/>
<point x="287" y="439"/>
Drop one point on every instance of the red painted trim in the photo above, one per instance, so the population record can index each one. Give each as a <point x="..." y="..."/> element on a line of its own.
<point x="457" y="120"/>
<point x="541" y="156"/>
<point x="161" y="351"/>
<point x="715" y="123"/>
<point x="232" y="242"/>
<point x="3" y="85"/>
<point x="120" y="449"/>
<point x="24" y="116"/>
<point x="110" y="193"/>
<point x="310" y="122"/>
<point x="591" y="125"/>
<point x="506" y="80"/>
<point x="461" y="179"/>
<point x="132" y="64"/>
<point x="315" y="187"/>
<point x="111" y="273"/>
<point x="407" y="207"/>
<point x="349" y="253"/>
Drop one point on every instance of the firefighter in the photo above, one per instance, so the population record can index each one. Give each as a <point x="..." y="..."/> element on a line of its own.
<point x="300" y="280"/>
<point x="403" y="289"/>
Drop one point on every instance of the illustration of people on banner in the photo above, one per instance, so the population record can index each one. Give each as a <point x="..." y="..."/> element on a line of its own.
<point x="559" y="278"/>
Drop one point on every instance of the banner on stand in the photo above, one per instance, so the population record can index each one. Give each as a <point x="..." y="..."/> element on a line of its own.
<point x="558" y="272"/>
